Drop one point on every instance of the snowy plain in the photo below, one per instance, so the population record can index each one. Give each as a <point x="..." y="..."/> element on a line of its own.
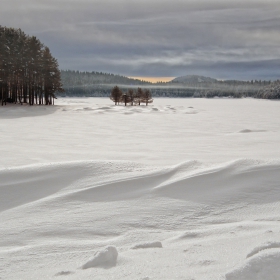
<point x="180" y="189"/>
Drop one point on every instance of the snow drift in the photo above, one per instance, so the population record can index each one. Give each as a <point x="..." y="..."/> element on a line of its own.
<point x="104" y="258"/>
<point x="201" y="176"/>
<point x="118" y="201"/>
<point x="262" y="266"/>
<point x="233" y="182"/>
<point x="154" y="244"/>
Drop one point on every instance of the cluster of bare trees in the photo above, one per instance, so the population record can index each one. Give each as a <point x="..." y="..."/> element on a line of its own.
<point x="28" y="71"/>
<point x="131" y="97"/>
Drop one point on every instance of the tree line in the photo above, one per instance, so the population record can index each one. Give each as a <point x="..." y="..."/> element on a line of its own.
<point x="271" y="91"/>
<point x="72" y="79"/>
<point x="131" y="97"/>
<point x="28" y="71"/>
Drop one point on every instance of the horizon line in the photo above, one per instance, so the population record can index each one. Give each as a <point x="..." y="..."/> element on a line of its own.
<point x="152" y="79"/>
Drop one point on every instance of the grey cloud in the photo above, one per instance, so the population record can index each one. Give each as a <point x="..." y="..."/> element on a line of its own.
<point x="143" y="38"/>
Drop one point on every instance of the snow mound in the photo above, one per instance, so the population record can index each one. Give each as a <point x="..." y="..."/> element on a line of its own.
<point x="105" y="258"/>
<point x="155" y="244"/>
<point x="64" y="273"/>
<point x="269" y="245"/>
<point x="189" y="235"/>
<point x="250" y="130"/>
<point x="262" y="266"/>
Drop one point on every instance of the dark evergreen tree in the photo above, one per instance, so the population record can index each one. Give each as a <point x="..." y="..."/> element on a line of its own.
<point x="138" y="96"/>
<point x="131" y="96"/>
<point x="116" y="95"/>
<point x="28" y="72"/>
<point x="271" y="91"/>
<point x="124" y="98"/>
<point x="147" y="97"/>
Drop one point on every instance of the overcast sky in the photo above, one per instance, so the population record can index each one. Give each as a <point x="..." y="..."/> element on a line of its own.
<point x="226" y="39"/>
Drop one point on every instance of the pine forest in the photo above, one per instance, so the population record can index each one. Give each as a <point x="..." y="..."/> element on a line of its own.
<point x="28" y="71"/>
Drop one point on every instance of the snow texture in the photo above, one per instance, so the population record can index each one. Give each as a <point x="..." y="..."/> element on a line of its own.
<point x="63" y="273"/>
<point x="263" y="266"/>
<point x="155" y="244"/>
<point x="105" y="258"/>
<point x="192" y="173"/>
<point x="269" y="245"/>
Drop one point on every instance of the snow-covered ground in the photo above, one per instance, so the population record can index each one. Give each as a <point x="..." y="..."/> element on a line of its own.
<point x="181" y="189"/>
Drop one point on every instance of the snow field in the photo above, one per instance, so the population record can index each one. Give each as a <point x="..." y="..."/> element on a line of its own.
<point x="79" y="191"/>
<point x="168" y="132"/>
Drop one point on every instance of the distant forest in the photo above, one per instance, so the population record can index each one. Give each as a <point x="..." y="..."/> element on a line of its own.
<point x="77" y="78"/>
<point x="98" y="84"/>
<point x="28" y="71"/>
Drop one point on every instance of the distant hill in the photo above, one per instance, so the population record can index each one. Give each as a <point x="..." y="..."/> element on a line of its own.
<point x="193" y="79"/>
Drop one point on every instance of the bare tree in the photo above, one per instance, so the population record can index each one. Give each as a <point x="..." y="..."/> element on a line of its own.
<point x="116" y="95"/>
<point x="138" y="96"/>
<point x="124" y="98"/>
<point x="147" y="97"/>
<point x="131" y="96"/>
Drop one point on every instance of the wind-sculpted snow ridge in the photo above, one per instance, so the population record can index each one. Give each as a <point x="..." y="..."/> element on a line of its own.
<point x="262" y="266"/>
<point x="241" y="180"/>
<point x="269" y="245"/>
<point x="94" y="181"/>
<point x="105" y="258"/>
<point x="27" y="184"/>
<point x="54" y="216"/>
<point x="262" y="263"/>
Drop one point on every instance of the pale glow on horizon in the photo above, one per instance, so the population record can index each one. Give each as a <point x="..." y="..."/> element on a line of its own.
<point x="154" y="79"/>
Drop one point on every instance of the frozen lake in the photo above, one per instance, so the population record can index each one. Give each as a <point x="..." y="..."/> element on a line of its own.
<point x="180" y="189"/>
<point x="168" y="132"/>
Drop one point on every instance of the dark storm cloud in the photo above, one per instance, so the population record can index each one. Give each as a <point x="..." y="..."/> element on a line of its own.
<point x="222" y="39"/>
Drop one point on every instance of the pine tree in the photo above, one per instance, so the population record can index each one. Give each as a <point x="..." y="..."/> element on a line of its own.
<point x="138" y="96"/>
<point x="131" y="96"/>
<point x="116" y="95"/>
<point x="271" y="91"/>
<point x="28" y="71"/>
<point x="147" y="97"/>
<point x="124" y="98"/>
